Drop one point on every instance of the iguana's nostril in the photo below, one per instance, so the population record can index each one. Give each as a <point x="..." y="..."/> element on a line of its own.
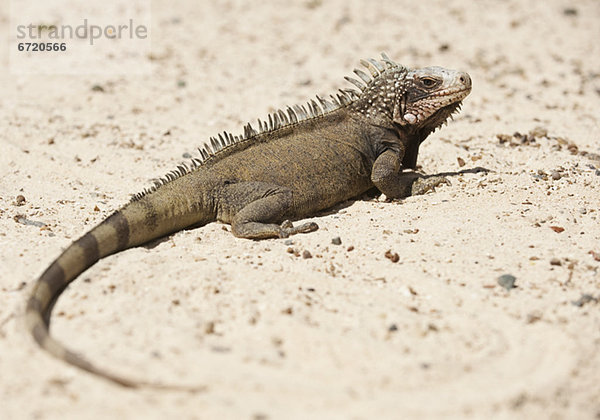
<point x="465" y="79"/>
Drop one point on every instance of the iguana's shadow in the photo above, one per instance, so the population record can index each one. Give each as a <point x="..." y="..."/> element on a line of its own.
<point x="475" y="170"/>
<point x="374" y="192"/>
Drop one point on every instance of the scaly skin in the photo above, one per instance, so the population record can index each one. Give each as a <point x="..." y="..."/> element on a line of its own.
<point x="302" y="162"/>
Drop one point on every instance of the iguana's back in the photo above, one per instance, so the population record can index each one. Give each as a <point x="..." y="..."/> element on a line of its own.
<point x="323" y="161"/>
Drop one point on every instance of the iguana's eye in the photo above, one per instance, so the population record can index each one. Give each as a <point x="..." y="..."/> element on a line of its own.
<point x="428" y="82"/>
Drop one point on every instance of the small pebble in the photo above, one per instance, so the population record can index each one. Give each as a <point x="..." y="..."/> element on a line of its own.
<point x="533" y="317"/>
<point x="393" y="328"/>
<point x="507" y="281"/>
<point x="336" y="241"/>
<point x="585" y="298"/>
<point x="539" y="132"/>
<point x="555" y="261"/>
<point x="392" y="256"/>
<point x="556" y="175"/>
<point x="209" y="328"/>
<point x="288" y="242"/>
<point x="20" y="200"/>
<point x="306" y="254"/>
<point x="503" y="138"/>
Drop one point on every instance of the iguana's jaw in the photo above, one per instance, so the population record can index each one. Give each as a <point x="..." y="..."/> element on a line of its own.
<point x="432" y="95"/>
<point x="435" y="121"/>
<point x="441" y="116"/>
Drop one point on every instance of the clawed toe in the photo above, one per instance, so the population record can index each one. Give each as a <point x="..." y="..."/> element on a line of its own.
<point x="305" y="228"/>
<point x="287" y="228"/>
<point x="424" y="185"/>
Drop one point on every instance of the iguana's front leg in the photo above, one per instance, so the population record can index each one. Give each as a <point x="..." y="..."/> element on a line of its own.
<point x="387" y="176"/>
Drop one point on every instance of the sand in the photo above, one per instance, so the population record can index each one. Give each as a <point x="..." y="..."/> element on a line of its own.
<point x="348" y="333"/>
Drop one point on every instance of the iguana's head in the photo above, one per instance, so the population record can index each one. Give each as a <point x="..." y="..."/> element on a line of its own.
<point x="418" y="100"/>
<point x="430" y="95"/>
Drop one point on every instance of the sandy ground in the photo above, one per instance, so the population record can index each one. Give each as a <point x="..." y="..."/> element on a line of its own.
<point x="348" y="333"/>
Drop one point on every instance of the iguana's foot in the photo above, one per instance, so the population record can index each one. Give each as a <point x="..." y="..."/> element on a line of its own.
<point x="423" y="185"/>
<point x="287" y="228"/>
<point x="287" y="224"/>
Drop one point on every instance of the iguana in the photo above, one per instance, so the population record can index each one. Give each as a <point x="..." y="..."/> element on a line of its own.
<point x="297" y="162"/>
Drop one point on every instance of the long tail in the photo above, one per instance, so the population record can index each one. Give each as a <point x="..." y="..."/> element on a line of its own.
<point x="136" y="223"/>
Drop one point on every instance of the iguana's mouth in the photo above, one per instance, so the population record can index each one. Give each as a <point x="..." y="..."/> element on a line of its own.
<point x="454" y="92"/>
